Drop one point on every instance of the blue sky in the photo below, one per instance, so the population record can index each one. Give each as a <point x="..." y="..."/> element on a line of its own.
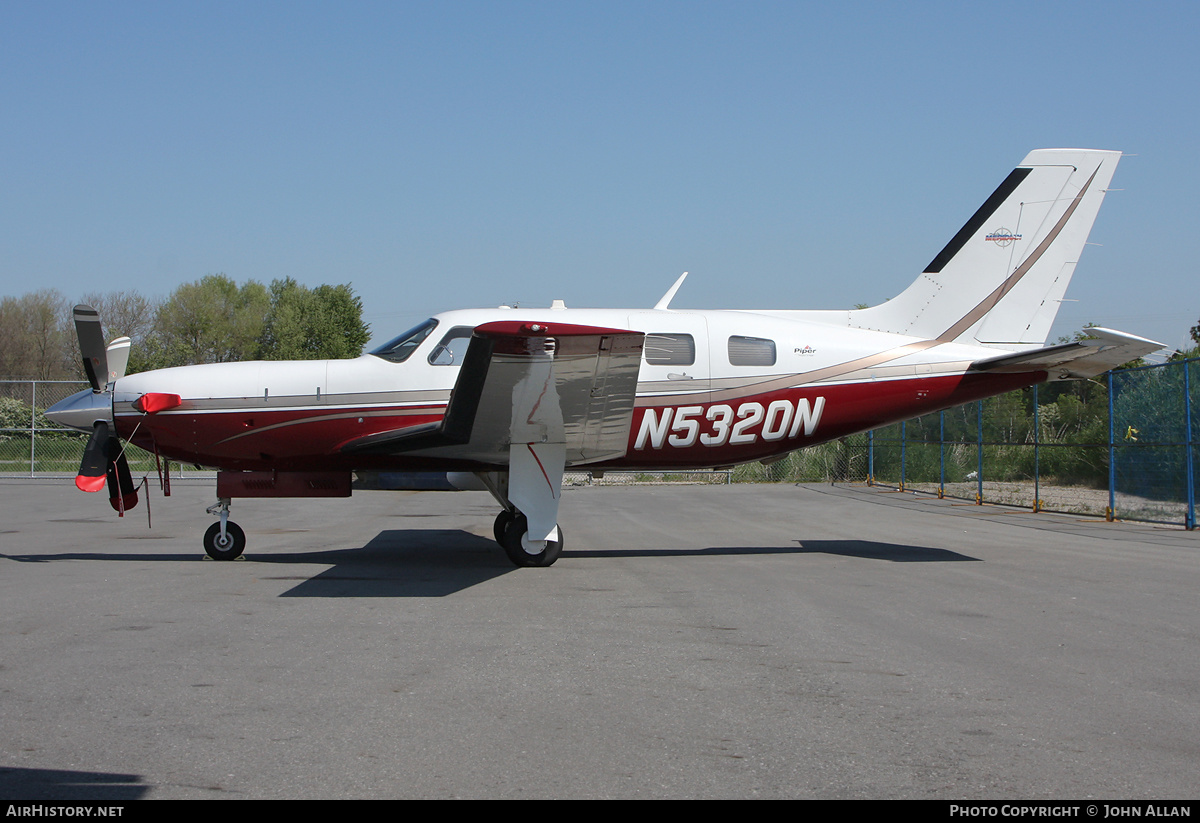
<point x="456" y="154"/>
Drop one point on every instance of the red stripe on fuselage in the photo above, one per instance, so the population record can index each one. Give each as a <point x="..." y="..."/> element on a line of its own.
<point x="294" y="439"/>
<point x="301" y="439"/>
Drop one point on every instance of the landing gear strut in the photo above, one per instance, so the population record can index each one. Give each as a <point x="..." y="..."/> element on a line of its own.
<point x="225" y="539"/>
<point x="511" y="528"/>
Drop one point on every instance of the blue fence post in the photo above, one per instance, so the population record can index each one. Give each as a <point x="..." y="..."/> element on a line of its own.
<point x="1111" y="514"/>
<point x="979" y="467"/>
<point x="1188" y="467"/>
<point x="941" y="454"/>
<point x="1037" y="457"/>
<point x="871" y="457"/>
<point x="903" y="443"/>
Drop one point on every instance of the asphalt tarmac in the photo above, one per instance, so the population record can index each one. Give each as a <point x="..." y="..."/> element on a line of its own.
<point x="740" y="641"/>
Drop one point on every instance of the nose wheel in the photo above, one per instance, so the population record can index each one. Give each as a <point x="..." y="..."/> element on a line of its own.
<point x="227" y="546"/>
<point x="511" y="531"/>
<point x="224" y="539"/>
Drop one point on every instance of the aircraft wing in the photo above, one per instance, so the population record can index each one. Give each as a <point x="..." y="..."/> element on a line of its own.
<point x="1106" y="350"/>
<point x="531" y="383"/>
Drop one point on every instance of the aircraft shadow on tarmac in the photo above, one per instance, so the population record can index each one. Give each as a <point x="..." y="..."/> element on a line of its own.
<point x="395" y="563"/>
<point x="894" y="552"/>
<point x="865" y="549"/>
<point x="400" y="563"/>
<point x="60" y="784"/>
<point x="440" y="562"/>
<point x="434" y="563"/>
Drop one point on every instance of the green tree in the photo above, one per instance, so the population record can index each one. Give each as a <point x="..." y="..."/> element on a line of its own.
<point x="312" y="324"/>
<point x="1194" y="351"/>
<point x="212" y="320"/>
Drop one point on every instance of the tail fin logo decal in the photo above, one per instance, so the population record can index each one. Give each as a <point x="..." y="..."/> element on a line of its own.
<point x="1003" y="237"/>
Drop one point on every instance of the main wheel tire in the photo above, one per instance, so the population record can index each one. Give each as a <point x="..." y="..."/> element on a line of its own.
<point x="502" y="520"/>
<point x="511" y="543"/>
<point x="229" y="548"/>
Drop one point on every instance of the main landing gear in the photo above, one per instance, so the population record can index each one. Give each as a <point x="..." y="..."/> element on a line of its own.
<point x="511" y="528"/>
<point x="512" y="533"/>
<point x="225" y="539"/>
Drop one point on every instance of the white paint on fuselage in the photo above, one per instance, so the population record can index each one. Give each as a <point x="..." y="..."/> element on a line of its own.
<point x="802" y="345"/>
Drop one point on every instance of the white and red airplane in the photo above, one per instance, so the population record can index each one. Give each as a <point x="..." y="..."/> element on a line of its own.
<point x="506" y="399"/>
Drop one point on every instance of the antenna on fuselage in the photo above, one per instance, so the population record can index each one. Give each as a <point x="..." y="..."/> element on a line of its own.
<point x="666" y="298"/>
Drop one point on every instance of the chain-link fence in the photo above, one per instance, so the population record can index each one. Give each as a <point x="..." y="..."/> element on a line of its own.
<point x="1121" y="446"/>
<point x="703" y="477"/>
<point x="31" y="444"/>
<point x="843" y="460"/>
<point x="1154" y="417"/>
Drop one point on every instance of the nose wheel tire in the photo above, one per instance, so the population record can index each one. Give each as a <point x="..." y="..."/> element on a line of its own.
<point x="511" y="541"/>
<point x="228" y="547"/>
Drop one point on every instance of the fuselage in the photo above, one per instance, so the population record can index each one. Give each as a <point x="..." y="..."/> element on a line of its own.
<point x="714" y="388"/>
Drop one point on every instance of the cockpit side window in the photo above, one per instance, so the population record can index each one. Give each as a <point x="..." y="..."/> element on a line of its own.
<point x="662" y="349"/>
<point x="401" y="348"/>
<point x="452" y="348"/>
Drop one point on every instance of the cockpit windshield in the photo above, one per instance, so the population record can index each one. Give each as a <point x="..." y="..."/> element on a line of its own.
<point x="400" y="348"/>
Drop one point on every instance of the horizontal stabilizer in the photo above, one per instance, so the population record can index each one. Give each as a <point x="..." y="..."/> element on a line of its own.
<point x="1105" y="350"/>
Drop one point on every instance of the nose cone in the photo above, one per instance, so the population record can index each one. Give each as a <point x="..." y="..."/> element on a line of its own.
<point x="82" y="409"/>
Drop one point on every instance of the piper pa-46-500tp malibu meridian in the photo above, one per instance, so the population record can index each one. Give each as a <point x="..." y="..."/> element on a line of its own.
<point x="506" y="399"/>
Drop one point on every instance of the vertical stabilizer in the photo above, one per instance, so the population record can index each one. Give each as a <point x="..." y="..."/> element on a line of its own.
<point x="1001" y="278"/>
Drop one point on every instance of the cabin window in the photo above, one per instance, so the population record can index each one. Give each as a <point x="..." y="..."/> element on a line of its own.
<point x="751" y="351"/>
<point x="663" y="349"/>
<point x="452" y="348"/>
<point x="400" y="348"/>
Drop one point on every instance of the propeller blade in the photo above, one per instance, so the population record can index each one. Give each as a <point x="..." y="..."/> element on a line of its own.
<point x="118" y="358"/>
<point x="122" y="494"/>
<point x="103" y="464"/>
<point x="91" y="346"/>
<point x="94" y="469"/>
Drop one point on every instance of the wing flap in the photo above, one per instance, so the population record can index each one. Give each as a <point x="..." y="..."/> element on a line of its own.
<point x="557" y="383"/>
<point x="532" y="383"/>
<point x="1105" y="350"/>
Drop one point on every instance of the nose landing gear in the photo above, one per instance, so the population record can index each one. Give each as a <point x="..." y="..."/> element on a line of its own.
<point x="225" y="539"/>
